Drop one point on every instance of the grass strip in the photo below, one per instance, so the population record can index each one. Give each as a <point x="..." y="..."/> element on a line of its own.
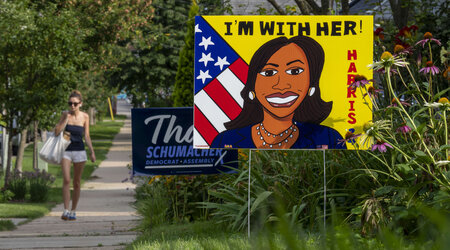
<point x="7" y="225"/>
<point x="196" y="235"/>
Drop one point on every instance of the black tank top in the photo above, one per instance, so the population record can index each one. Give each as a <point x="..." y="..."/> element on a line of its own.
<point x="76" y="137"/>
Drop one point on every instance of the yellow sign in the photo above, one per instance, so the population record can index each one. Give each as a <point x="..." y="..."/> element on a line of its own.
<point x="229" y="48"/>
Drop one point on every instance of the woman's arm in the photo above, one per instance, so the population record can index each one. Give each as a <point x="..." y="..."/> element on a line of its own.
<point x="62" y="122"/>
<point x="87" y="138"/>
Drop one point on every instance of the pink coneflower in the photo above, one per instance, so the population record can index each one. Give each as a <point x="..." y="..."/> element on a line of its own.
<point x="360" y="81"/>
<point x="428" y="37"/>
<point x="349" y="137"/>
<point x="401" y="50"/>
<point x="404" y="129"/>
<point x="372" y="92"/>
<point x="429" y="68"/>
<point x="381" y="146"/>
<point x="395" y="104"/>
<point x="419" y="59"/>
<point x="382" y="71"/>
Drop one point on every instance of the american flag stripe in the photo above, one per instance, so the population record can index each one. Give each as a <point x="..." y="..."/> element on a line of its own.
<point x="210" y="109"/>
<point x="198" y="138"/>
<point x="232" y="84"/>
<point x="219" y="80"/>
<point x="219" y="94"/>
<point x="240" y="69"/>
<point x="207" y="130"/>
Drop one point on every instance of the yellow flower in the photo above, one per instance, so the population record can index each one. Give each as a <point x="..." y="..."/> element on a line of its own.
<point x="398" y="48"/>
<point x="387" y="60"/>
<point x="427" y="35"/>
<point x="386" y="56"/>
<point x="443" y="100"/>
<point x="154" y="178"/>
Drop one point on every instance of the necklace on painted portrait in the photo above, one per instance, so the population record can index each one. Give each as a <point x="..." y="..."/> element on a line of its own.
<point x="283" y="138"/>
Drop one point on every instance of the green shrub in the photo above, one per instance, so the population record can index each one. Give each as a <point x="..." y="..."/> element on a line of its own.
<point x="18" y="185"/>
<point x="293" y="178"/>
<point x="408" y="162"/>
<point x="168" y="199"/>
<point x="152" y="204"/>
<point x="6" y="195"/>
<point x="40" y="182"/>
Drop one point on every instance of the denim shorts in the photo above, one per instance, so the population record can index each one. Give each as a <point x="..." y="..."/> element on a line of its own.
<point x="75" y="156"/>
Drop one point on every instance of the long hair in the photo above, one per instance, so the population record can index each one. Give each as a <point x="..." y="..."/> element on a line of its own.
<point x="312" y="109"/>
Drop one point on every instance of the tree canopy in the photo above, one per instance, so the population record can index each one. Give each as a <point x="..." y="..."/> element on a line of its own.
<point x="48" y="48"/>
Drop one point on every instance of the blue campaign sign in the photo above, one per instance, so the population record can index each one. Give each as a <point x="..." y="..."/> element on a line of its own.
<point x="162" y="145"/>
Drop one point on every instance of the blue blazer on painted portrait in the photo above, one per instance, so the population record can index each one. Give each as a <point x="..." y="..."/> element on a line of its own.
<point x="311" y="136"/>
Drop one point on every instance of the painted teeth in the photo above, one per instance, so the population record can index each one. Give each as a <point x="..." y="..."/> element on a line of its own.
<point x="279" y="100"/>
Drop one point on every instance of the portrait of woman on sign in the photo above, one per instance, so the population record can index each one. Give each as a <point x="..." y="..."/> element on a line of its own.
<point x="282" y="103"/>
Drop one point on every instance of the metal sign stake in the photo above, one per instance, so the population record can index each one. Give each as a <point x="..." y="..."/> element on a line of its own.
<point x="249" y="174"/>
<point x="324" y="193"/>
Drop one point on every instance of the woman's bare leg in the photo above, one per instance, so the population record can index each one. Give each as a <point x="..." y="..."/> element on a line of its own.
<point x="65" y="165"/>
<point x="77" y="171"/>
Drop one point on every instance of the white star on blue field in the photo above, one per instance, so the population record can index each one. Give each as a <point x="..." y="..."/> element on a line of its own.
<point x="212" y="54"/>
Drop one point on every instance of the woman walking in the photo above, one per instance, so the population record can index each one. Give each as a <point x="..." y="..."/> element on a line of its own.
<point x="77" y="123"/>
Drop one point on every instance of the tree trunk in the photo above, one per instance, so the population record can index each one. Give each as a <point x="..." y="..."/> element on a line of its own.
<point x="303" y="6"/>
<point x="314" y="6"/>
<point x="44" y="135"/>
<point x="345" y="7"/>
<point x="35" y="145"/>
<point x="8" y="164"/>
<point x="277" y="7"/>
<point x="91" y="113"/>
<point x="400" y="11"/>
<point x="21" y="150"/>
<point x="325" y="7"/>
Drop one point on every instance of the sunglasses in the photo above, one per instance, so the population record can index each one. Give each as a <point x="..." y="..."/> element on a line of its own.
<point x="73" y="103"/>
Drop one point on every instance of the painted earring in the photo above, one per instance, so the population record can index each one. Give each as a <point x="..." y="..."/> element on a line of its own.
<point x="251" y="95"/>
<point x="311" y="91"/>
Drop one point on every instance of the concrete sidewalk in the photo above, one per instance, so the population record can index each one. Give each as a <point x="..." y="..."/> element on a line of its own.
<point x="105" y="217"/>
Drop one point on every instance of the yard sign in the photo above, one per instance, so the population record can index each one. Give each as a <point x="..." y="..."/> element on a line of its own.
<point x="162" y="145"/>
<point x="280" y="81"/>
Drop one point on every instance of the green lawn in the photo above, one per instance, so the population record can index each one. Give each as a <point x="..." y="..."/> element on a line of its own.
<point x="24" y="210"/>
<point x="6" y="225"/>
<point x="208" y="235"/>
<point x="197" y="235"/>
<point x="102" y="135"/>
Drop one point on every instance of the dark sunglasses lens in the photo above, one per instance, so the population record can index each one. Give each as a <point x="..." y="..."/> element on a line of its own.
<point x="73" y="103"/>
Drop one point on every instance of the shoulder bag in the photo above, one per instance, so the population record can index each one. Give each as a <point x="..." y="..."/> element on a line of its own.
<point x="54" y="147"/>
